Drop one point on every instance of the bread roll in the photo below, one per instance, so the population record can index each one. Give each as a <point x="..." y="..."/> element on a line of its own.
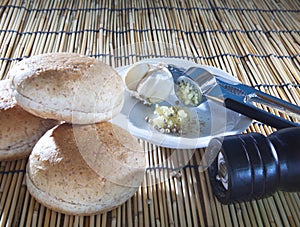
<point x="68" y="87"/>
<point x="19" y="130"/>
<point x="85" y="169"/>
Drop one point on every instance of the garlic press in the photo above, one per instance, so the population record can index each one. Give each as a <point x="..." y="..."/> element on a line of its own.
<point x="236" y="96"/>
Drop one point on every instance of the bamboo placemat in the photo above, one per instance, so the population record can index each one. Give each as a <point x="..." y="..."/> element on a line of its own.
<point x="255" y="41"/>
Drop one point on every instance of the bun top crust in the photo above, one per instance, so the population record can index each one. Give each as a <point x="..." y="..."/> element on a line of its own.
<point x="86" y="165"/>
<point x="7" y="100"/>
<point x="68" y="87"/>
<point x="19" y="130"/>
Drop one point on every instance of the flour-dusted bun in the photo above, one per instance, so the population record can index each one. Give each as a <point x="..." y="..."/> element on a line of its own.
<point x="68" y="87"/>
<point x="85" y="169"/>
<point x="19" y="130"/>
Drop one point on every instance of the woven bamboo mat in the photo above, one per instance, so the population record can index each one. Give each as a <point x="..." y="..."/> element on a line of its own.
<point x="256" y="41"/>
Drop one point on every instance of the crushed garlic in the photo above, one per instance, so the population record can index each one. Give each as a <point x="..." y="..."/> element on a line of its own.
<point x="188" y="94"/>
<point x="168" y="119"/>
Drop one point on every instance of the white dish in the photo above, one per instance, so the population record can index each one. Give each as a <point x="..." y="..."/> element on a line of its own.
<point x="210" y="119"/>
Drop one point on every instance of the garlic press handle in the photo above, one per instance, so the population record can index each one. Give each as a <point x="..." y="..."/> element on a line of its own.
<point x="276" y="103"/>
<point x="245" y="106"/>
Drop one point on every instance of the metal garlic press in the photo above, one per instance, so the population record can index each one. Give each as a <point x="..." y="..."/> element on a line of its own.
<point x="237" y="96"/>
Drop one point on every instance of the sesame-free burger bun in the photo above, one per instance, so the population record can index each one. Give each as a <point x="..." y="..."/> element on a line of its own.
<point x="19" y="130"/>
<point x="68" y="87"/>
<point x="85" y="169"/>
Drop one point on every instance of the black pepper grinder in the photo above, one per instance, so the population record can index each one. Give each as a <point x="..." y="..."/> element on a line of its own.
<point x="252" y="166"/>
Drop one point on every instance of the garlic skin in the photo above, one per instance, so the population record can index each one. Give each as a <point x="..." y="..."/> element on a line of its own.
<point x="149" y="83"/>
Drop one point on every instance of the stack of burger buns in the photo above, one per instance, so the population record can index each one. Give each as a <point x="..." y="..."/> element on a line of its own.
<point x="55" y="109"/>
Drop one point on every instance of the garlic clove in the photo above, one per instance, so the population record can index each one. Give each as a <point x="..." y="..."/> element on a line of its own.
<point x="157" y="86"/>
<point x="149" y="83"/>
<point x="135" y="74"/>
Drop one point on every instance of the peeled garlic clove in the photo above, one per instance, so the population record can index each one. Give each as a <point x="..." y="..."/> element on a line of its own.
<point x="149" y="83"/>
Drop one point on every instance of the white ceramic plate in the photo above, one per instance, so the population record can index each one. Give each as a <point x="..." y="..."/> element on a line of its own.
<point x="208" y="120"/>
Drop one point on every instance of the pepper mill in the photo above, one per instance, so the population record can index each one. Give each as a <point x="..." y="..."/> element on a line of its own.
<point x="252" y="166"/>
